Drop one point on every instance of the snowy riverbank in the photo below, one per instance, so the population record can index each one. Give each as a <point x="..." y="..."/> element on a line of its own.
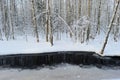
<point x="20" y="46"/>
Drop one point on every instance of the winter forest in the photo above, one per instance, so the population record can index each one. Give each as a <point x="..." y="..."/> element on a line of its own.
<point x="51" y="20"/>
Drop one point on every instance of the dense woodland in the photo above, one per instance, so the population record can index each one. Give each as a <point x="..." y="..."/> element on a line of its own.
<point x="80" y="20"/>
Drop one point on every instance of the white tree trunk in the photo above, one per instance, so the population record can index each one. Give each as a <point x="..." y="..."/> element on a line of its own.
<point x="49" y="24"/>
<point x="110" y="27"/>
<point x="34" y="21"/>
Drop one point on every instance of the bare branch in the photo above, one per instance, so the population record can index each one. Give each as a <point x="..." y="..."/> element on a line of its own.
<point x="37" y="16"/>
<point x="66" y="25"/>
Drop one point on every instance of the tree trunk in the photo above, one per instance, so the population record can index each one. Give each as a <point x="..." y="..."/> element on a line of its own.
<point x="0" y="35"/>
<point x="47" y="21"/>
<point x="23" y="17"/>
<point x="34" y="21"/>
<point x="79" y="12"/>
<point x="98" y="22"/>
<point x="11" y="16"/>
<point x="110" y="27"/>
<point x="89" y="8"/>
<point x="89" y="16"/>
<point x="49" y="24"/>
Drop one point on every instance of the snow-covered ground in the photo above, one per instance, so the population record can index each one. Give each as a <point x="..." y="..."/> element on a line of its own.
<point x="20" y="46"/>
<point x="62" y="72"/>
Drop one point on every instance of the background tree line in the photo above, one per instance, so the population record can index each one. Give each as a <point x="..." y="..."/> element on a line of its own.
<point x="80" y="20"/>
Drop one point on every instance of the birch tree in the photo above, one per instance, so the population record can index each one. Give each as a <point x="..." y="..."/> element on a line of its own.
<point x="49" y="23"/>
<point x="110" y="27"/>
<point x="11" y="17"/>
<point x="0" y="20"/>
<point x="98" y="21"/>
<point x="34" y="21"/>
<point x="49" y="33"/>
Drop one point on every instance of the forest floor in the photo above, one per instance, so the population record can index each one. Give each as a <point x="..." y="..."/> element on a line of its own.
<point x="61" y="72"/>
<point x="21" y="46"/>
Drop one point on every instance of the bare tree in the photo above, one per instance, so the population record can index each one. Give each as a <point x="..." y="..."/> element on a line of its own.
<point x="99" y="14"/>
<point x="110" y="27"/>
<point x="11" y="17"/>
<point x="49" y="24"/>
<point x="47" y="20"/>
<point x="34" y="21"/>
<point x="49" y="33"/>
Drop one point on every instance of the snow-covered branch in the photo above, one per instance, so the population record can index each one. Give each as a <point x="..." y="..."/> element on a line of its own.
<point x="37" y="16"/>
<point x="66" y="25"/>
